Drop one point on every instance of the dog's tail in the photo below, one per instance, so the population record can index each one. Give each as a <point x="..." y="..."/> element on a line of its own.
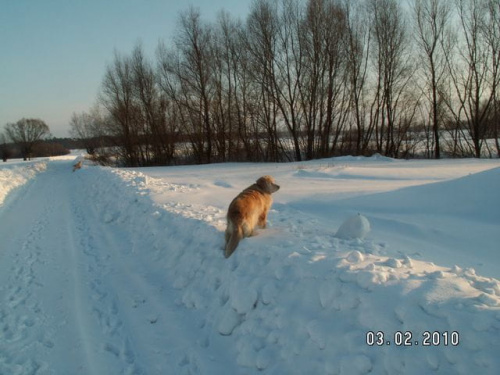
<point x="233" y="240"/>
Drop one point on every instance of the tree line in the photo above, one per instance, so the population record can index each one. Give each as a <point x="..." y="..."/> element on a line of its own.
<point x="28" y="138"/>
<point x="298" y="80"/>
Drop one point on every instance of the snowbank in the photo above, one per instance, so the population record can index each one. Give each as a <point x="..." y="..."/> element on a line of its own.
<point x="473" y="196"/>
<point x="14" y="176"/>
<point x="295" y="299"/>
<point x="444" y="212"/>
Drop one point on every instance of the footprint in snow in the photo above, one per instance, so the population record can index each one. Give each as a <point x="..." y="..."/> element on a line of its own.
<point x="223" y="184"/>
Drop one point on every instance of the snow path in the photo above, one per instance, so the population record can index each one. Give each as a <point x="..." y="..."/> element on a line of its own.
<point x="67" y="291"/>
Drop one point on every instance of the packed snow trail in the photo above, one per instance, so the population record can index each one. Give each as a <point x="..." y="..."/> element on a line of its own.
<point x="70" y="303"/>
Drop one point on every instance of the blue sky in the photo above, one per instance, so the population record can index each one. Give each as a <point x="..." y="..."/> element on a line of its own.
<point x="53" y="53"/>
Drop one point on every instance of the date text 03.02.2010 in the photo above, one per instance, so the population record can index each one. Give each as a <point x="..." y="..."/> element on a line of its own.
<point x="407" y="338"/>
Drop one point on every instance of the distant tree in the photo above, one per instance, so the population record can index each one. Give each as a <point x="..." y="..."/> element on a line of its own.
<point x="4" y="150"/>
<point x="392" y="107"/>
<point x="49" y="147"/>
<point x="228" y="92"/>
<point x="261" y="47"/>
<point x="358" y="43"/>
<point x="159" y="130"/>
<point x="117" y="97"/>
<point x="26" y="133"/>
<point x="474" y="75"/>
<point x="322" y="80"/>
<point x="187" y="79"/>
<point x="88" y="128"/>
<point x="432" y="18"/>
<point x="194" y="44"/>
<point x="491" y="31"/>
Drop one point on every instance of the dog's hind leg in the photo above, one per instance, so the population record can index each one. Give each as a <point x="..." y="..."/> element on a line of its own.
<point x="262" y="220"/>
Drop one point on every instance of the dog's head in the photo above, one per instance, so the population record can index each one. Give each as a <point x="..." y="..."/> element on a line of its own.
<point x="267" y="184"/>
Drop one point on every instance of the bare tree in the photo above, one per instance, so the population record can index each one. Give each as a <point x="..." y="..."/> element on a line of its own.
<point x="324" y="97"/>
<point x="226" y="69"/>
<point x="262" y="46"/>
<point x="160" y="134"/>
<point x="89" y="128"/>
<point x="491" y="31"/>
<point x="186" y="78"/>
<point x="243" y="106"/>
<point x="117" y="97"/>
<point x="194" y="45"/>
<point x="4" y="149"/>
<point x="26" y="133"/>
<point x="288" y="70"/>
<point x="472" y="95"/>
<point x="358" y="39"/>
<point x="432" y="19"/>
<point x="392" y="63"/>
<point x="298" y="64"/>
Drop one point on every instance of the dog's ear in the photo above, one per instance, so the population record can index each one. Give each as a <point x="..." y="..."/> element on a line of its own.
<point x="262" y="183"/>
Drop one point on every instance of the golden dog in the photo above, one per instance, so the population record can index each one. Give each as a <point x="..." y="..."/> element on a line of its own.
<point x="77" y="166"/>
<point x="248" y="210"/>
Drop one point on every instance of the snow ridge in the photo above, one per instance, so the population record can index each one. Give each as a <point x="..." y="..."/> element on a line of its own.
<point x="16" y="176"/>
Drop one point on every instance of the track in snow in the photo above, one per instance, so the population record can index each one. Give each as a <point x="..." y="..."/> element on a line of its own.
<point x="69" y="301"/>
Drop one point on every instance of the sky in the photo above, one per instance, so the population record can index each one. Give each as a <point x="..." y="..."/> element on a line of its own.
<point x="53" y="53"/>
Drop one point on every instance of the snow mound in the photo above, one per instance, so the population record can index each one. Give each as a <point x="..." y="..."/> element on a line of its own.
<point x="474" y="196"/>
<point x="356" y="227"/>
<point x="16" y="176"/>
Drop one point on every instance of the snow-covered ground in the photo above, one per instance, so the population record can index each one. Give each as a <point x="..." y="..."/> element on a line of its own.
<point x="121" y="271"/>
<point x="13" y="175"/>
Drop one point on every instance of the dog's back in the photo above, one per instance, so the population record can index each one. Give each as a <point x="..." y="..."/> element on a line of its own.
<point x="243" y="215"/>
<point x="247" y="211"/>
